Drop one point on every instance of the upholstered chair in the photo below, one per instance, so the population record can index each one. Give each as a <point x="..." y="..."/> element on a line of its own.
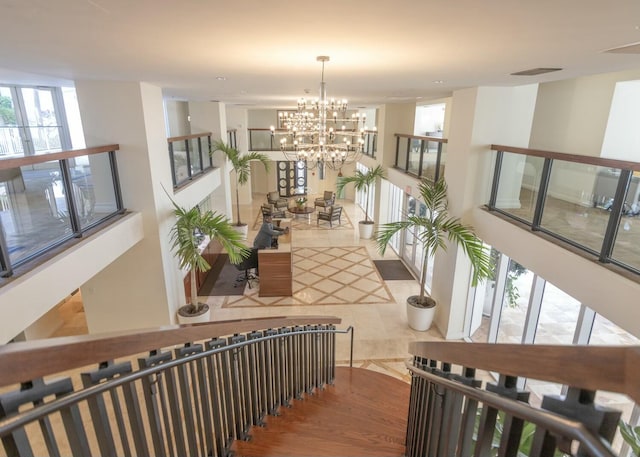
<point x="330" y="215"/>
<point x="327" y="200"/>
<point x="276" y="200"/>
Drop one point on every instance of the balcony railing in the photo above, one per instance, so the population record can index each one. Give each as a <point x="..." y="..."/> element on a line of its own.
<point x="421" y="156"/>
<point x="263" y="140"/>
<point x="189" y="157"/>
<point x="590" y="203"/>
<point x="48" y="199"/>
<point x="189" y="390"/>
<point x="454" y="412"/>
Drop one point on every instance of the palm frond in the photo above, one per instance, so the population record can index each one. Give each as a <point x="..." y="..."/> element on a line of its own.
<point x="435" y="229"/>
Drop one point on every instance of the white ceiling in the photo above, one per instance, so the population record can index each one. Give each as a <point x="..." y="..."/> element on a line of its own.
<point x="381" y="51"/>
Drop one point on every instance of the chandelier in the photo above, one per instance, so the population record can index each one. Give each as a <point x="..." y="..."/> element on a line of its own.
<point x="320" y="133"/>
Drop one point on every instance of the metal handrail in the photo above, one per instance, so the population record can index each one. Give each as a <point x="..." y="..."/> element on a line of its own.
<point x="562" y="426"/>
<point x="10" y="424"/>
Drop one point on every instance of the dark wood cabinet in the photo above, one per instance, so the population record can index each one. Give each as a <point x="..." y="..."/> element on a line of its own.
<point x="211" y="252"/>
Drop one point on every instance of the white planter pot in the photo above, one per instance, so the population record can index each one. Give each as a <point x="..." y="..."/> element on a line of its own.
<point x="242" y="229"/>
<point x="420" y="318"/>
<point x="366" y="230"/>
<point x="204" y="316"/>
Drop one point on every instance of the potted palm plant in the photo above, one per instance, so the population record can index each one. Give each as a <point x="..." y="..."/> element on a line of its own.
<point x="362" y="182"/>
<point x="189" y="230"/>
<point x="242" y="168"/>
<point x="430" y="231"/>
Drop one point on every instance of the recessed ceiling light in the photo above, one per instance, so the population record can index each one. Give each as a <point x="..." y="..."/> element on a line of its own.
<point x="221" y="78"/>
<point x="438" y="81"/>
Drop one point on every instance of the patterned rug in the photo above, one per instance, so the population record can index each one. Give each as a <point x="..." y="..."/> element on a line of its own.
<point x="306" y="223"/>
<point x="325" y="276"/>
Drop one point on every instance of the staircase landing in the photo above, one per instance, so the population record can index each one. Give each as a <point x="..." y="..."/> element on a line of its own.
<point x="364" y="413"/>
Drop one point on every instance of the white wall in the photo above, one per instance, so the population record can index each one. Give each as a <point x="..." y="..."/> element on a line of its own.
<point x="30" y="296"/>
<point x="571" y="115"/>
<point x="622" y="135"/>
<point x="480" y="116"/>
<point x="177" y="118"/>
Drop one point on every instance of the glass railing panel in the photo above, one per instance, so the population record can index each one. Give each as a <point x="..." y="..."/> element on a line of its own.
<point x="401" y="161"/>
<point x="578" y="201"/>
<point x="180" y="163"/>
<point x="518" y="185"/>
<point x="261" y="140"/>
<point x="430" y="159"/>
<point x="443" y="159"/>
<point x="33" y="209"/>
<point x="415" y="153"/>
<point x="92" y="188"/>
<point x="626" y="249"/>
<point x="370" y="143"/>
<point x="194" y="156"/>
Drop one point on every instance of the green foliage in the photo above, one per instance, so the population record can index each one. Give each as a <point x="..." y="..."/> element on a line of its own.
<point x="526" y="439"/>
<point x="241" y="164"/>
<point x="631" y="436"/>
<point x="7" y="113"/>
<point x="362" y="182"/>
<point x="433" y="229"/>
<point x="186" y="234"/>
<point x="515" y="271"/>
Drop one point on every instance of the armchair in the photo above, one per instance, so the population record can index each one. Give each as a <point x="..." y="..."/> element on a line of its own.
<point x="270" y="210"/>
<point x="326" y="201"/>
<point x="278" y="202"/>
<point x="334" y="213"/>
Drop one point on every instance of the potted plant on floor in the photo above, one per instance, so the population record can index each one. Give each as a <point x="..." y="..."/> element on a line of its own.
<point x="242" y="168"/>
<point x="430" y="231"/>
<point x="362" y="182"/>
<point x="189" y="230"/>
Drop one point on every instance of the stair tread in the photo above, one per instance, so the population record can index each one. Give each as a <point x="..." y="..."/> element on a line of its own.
<point x="363" y="413"/>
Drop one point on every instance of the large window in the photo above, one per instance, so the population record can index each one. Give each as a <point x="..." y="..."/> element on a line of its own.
<point x="32" y="121"/>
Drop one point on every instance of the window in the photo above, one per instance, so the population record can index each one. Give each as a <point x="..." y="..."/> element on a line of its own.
<point x="32" y="121"/>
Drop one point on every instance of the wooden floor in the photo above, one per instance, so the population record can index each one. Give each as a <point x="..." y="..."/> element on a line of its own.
<point x="364" y="413"/>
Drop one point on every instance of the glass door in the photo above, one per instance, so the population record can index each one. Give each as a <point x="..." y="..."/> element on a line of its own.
<point x="412" y="251"/>
<point x="32" y="121"/>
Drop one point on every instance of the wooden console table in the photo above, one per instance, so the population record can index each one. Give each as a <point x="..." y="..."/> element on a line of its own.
<point x="276" y="267"/>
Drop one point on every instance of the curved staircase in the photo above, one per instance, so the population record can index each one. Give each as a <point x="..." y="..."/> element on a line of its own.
<point x="362" y="413"/>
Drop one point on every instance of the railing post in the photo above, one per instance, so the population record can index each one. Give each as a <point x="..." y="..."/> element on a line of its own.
<point x="496" y="180"/>
<point x="70" y="199"/>
<point x="438" y="161"/>
<point x="616" y="214"/>
<point x="115" y="177"/>
<point x="543" y="188"/>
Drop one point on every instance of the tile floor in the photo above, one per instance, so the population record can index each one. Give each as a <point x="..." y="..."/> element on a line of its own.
<point x="375" y="308"/>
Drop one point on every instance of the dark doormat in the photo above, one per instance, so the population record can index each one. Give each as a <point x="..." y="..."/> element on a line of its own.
<point x="392" y="270"/>
<point x="221" y="279"/>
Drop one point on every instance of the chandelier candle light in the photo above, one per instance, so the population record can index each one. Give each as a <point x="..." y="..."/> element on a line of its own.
<point x="318" y="138"/>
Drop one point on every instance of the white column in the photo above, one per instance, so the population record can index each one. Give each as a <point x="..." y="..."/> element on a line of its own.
<point x="479" y="117"/>
<point x="140" y="288"/>
<point x="211" y="117"/>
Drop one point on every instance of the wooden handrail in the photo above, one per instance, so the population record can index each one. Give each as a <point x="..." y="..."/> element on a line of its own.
<point x="610" y="368"/>
<point x="15" y="162"/>
<point x="23" y="361"/>
<point x="418" y="137"/>
<point x="590" y="160"/>
<point x="187" y="137"/>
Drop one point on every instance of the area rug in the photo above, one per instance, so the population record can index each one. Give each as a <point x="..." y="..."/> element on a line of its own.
<point x="325" y="276"/>
<point x="221" y="279"/>
<point x="392" y="270"/>
<point x="306" y="223"/>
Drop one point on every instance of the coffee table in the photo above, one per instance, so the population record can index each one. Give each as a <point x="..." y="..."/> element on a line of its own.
<point x="302" y="211"/>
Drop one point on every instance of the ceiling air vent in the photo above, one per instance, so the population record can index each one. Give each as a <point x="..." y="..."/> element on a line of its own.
<point x="535" y="71"/>
<point x="633" y="48"/>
